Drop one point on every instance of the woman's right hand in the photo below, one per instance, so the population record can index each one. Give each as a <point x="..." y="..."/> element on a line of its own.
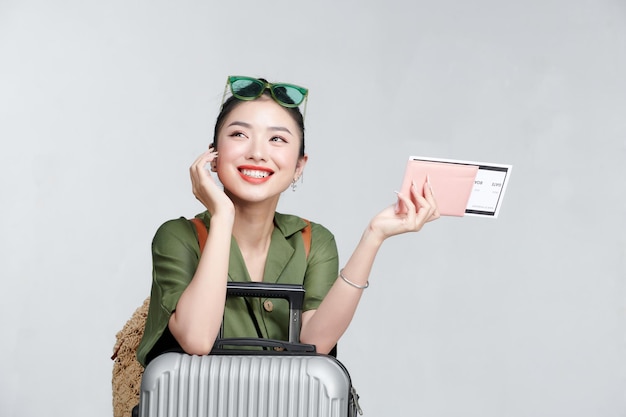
<point x="205" y="188"/>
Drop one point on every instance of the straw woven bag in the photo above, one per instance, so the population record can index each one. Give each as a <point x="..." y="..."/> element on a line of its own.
<point x="127" y="371"/>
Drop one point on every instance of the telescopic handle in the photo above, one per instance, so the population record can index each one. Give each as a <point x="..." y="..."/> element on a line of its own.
<point x="293" y="293"/>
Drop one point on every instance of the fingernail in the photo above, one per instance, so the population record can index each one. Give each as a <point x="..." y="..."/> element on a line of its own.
<point x="430" y="187"/>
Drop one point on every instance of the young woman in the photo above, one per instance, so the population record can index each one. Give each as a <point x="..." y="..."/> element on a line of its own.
<point x="257" y="153"/>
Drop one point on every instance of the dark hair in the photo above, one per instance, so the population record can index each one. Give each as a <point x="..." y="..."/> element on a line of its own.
<point x="232" y="102"/>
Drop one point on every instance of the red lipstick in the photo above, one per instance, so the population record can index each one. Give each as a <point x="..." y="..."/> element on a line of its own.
<point x="254" y="174"/>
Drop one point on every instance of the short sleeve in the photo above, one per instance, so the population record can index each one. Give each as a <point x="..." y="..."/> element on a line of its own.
<point x="175" y="257"/>
<point x="322" y="266"/>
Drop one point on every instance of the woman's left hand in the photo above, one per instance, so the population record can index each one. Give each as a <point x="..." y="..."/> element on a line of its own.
<point x="419" y="211"/>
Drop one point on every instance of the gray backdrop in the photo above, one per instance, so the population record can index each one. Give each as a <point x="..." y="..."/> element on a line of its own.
<point x="104" y="105"/>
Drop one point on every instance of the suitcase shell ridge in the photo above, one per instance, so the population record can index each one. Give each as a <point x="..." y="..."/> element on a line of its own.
<point x="182" y="385"/>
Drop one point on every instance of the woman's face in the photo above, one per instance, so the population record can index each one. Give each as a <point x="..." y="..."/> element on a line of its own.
<point x="258" y="147"/>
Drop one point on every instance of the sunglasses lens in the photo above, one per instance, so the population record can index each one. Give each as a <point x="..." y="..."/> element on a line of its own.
<point x="246" y="88"/>
<point x="289" y="95"/>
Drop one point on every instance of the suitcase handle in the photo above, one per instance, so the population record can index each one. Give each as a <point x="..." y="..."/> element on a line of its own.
<point x="293" y="293"/>
<point x="276" y="345"/>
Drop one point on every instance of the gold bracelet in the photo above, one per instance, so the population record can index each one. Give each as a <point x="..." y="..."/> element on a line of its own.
<point x="347" y="281"/>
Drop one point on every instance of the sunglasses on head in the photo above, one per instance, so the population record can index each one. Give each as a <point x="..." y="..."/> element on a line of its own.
<point x="248" y="88"/>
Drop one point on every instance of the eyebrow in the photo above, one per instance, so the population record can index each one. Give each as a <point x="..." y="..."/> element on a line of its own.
<point x="249" y="126"/>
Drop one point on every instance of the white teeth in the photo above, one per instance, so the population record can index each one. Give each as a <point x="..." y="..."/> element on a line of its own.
<point x="254" y="173"/>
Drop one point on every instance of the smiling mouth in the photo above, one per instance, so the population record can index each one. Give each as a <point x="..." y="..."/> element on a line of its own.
<point x="254" y="173"/>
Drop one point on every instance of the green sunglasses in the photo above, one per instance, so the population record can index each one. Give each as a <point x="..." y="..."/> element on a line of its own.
<point x="248" y="88"/>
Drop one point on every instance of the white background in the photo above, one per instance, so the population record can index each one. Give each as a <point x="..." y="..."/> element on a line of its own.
<point x="104" y="105"/>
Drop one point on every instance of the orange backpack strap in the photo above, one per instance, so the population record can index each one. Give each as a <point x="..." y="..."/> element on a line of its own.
<point x="202" y="232"/>
<point x="306" y="238"/>
<point x="202" y="235"/>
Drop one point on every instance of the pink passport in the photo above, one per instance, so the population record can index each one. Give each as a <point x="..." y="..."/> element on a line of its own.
<point x="452" y="183"/>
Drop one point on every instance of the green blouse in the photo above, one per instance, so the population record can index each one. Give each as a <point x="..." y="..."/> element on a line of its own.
<point x="175" y="256"/>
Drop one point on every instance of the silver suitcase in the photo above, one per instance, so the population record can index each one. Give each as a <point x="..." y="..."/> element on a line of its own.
<point x="292" y="382"/>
